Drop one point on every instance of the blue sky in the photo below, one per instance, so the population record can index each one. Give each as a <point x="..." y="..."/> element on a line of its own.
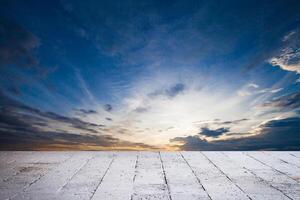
<point x="191" y="75"/>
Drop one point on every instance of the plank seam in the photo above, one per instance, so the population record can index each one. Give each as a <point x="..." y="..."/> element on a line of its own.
<point x="263" y="180"/>
<point x="199" y="181"/>
<point x="294" y="155"/>
<point x="226" y="176"/>
<point x="270" y="167"/>
<point x="94" y="191"/>
<point x="27" y="186"/>
<point x="284" y="161"/>
<point x="135" y="173"/>
<point x="78" y="170"/>
<point x="165" y="177"/>
<point x="289" y="163"/>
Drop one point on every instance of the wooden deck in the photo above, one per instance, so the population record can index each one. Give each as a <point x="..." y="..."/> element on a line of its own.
<point x="149" y="175"/>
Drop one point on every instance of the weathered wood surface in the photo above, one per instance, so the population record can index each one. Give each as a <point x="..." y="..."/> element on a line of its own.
<point x="149" y="175"/>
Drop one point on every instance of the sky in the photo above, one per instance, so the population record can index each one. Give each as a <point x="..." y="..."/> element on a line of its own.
<point x="149" y="75"/>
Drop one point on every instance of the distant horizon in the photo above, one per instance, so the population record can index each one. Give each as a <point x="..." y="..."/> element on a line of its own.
<point x="150" y="75"/>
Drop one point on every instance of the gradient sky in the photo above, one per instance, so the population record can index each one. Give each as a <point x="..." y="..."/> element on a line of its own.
<point x="174" y="75"/>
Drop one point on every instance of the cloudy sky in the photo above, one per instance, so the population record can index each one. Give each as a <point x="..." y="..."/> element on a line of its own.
<point x="134" y="75"/>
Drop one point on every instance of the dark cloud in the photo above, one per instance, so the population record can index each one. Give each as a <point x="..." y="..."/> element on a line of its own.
<point x="123" y="131"/>
<point x="275" y="135"/>
<point x="74" y="122"/>
<point x="175" y="89"/>
<point x="219" y="122"/>
<point x="108" y="118"/>
<point x="14" y="90"/>
<point x="170" y="92"/>
<point x="34" y="117"/>
<point x="287" y="102"/>
<point x="169" y="128"/>
<point x="84" y="112"/>
<point x="18" y="129"/>
<point x="16" y="44"/>
<point x="19" y="50"/>
<point x="213" y="133"/>
<point x="108" y="107"/>
<point x="233" y="121"/>
<point x="26" y="128"/>
<point x="63" y="141"/>
<point x="283" y="123"/>
<point x="141" y="109"/>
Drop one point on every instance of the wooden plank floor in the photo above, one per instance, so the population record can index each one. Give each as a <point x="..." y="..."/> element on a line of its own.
<point x="149" y="175"/>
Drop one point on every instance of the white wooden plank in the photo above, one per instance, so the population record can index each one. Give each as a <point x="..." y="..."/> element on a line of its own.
<point x="149" y="178"/>
<point x="249" y="183"/>
<point x="218" y="186"/>
<point x="19" y="161"/>
<point x="181" y="181"/>
<point x="13" y="156"/>
<point x="26" y="171"/>
<point x="295" y="153"/>
<point x="284" y="157"/>
<point x="3" y="156"/>
<point x="277" y="180"/>
<point x="46" y="157"/>
<point x="118" y="182"/>
<point x="49" y="185"/>
<point x="276" y="164"/>
<point x="85" y="182"/>
<point x="27" y="176"/>
<point x="10" y="163"/>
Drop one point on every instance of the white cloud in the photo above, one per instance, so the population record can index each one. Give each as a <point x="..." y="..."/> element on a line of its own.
<point x="270" y="90"/>
<point x="252" y="85"/>
<point x="142" y="117"/>
<point x="253" y="89"/>
<point x="289" y="60"/>
<point x="289" y="56"/>
<point x="288" y="36"/>
<point x="159" y="112"/>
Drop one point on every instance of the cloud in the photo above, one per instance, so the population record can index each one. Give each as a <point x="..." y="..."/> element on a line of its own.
<point x="108" y="107"/>
<point x="175" y="90"/>
<point x="85" y="112"/>
<point x="254" y="89"/>
<point x="232" y="122"/>
<point x="170" y="92"/>
<point x="182" y="36"/>
<point x="84" y="87"/>
<point x="252" y="85"/>
<point x="282" y="134"/>
<point x="289" y="60"/>
<point x="35" y="117"/>
<point x="289" y="56"/>
<point x="269" y="90"/>
<point x="108" y="119"/>
<point x="287" y="102"/>
<point x="141" y="109"/>
<point x="213" y="133"/>
<point x="26" y="128"/>
<point x="17" y="45"/>
<point x="220" y="122"/>
<point x="20" y="63"/>
<point x="23" y="140"/>
<point x="160" y="110"/>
